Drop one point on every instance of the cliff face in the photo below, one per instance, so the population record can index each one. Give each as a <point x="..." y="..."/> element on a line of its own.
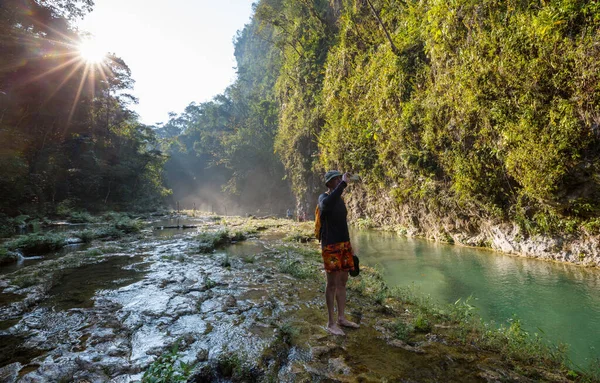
<point x="381" y="210"/>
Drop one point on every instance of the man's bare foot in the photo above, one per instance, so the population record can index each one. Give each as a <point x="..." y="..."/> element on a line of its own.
<point x="345" y="322"/>
<point x="334" y="329"/>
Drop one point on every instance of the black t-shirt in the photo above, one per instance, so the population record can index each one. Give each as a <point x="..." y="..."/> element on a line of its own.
<point x="334" y="226"/>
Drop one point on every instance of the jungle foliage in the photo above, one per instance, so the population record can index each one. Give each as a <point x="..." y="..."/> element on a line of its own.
<point x="66" y="133"/>
<point x="478" y="108"/>
<point x="221" y="151"/>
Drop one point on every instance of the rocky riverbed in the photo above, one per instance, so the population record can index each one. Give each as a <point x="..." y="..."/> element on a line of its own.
<point x="246" y="307"/>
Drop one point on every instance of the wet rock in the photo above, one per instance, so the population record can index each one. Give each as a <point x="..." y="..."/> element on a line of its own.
<point x="120" y="349"/>
<point x="73" y="241"/>
<point x="230" y="301"/>
<point x="10" y="373"/>
<point x="202" y="355"/>
<point x="400" y="344"/>
<point x="319" y="351"/>
<point x="202" y="374"/>
<point x="55" y="370"/>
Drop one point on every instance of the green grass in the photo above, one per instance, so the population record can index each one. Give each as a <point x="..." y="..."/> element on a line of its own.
<point x="93" y="253"/>
<point x="299" y="236"/>
<point x="289" y="333"/>
<point x="249" y="258"/>
<point x="300" y="250"/>
<point x="209" y="283"/>
<point x="226" y="262"/>
<point x="364" y="223"/>
<point x="421" y="323"/>
<point x="297" y="268"/>
<point x="25" y="280"/>
<point x="109" y="232"/>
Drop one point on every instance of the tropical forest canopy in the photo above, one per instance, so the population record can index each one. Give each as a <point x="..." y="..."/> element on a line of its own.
<point x="66" y="132"/>
<point x="479" y="110"/>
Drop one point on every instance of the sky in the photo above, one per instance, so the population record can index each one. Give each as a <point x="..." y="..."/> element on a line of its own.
<point x="179" y="51"/>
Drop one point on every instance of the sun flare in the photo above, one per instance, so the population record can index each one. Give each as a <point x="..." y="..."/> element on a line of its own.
<point x="91" y="51"/>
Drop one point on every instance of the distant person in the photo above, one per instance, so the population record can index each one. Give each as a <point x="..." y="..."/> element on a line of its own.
<point x="302" y="217"/>
<point x="335" y="249"/>
<point x="288" y="214"/>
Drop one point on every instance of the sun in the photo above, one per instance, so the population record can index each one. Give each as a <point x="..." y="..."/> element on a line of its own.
<point x="91" y="51"/>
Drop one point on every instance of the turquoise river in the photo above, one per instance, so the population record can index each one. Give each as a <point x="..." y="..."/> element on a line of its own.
<point x="559" y="300"/>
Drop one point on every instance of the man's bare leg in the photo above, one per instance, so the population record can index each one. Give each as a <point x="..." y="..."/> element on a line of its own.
<point x="333" y="279"/>
<point x="341" y="301"/>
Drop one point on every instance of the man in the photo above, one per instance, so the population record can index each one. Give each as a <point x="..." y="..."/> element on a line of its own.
<point x="335" y="249"/>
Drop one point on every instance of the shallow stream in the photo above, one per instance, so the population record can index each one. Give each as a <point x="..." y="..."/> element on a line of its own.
<point x="104" y="312"/>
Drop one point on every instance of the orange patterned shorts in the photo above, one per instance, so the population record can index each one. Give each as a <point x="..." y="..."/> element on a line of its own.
<point x="338" y="257"/>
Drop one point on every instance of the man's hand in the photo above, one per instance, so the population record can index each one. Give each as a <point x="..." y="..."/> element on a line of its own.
<point x="345" y="177"/>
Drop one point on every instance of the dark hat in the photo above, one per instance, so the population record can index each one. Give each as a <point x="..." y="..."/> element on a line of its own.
<point x="331" y="175"/>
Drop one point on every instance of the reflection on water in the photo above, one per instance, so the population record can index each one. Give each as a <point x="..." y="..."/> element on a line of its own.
<point x="164" y="227"/>
<point x="560" y="299"/>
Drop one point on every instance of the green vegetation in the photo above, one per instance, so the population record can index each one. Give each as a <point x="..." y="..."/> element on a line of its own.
<point x="37" y="243"/>
<point x="464" y="110"/>
<point x="7" y="257"/>
<point x="209" y="283"/>
<point x="68" y="138"/>
<point x="299" y="260"/>
<point x="235" y="367"/>
<point x="225" y="262"/>
<point x="228" y="142"/>
<point x="208" y="241"/>
<point x="458" y="322"/>
<point x="87" y="235"/>
<point x="117" y="228"/>
<point x="401" y="330"/>
<point x="168" y="369"/>
<point x="467" y="111"/>
<point x="288" y="333"/>
<point x="297" y="268"/>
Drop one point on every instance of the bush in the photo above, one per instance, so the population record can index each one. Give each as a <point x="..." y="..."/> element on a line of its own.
<point x="128" y="225"/>
<point x="401" y="330"/>
<point x="86" y="236"/>
<point x="110" y="232"/>
<point x="168" y="368"/>
<point x="421" y="323"/>
<point x="37" y="243"/>
<point x="80" y="217"/>
<point x="208" y="241"/>
<point x="7" y="257"/>
<point x="112" y="216"/>
<point x="364" y="223"/>
<point x="8" y="226"/>
<point x="64" y="208"/>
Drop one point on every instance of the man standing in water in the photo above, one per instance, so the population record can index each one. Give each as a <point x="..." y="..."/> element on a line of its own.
<point x="335" y="249"/>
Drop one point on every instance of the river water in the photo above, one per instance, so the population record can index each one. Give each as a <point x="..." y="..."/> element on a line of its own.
<point x="561" y="301"/>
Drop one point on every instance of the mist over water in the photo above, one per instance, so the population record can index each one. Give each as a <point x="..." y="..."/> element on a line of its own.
<point x="212" y="190"/>
<point x="559" y="300"/>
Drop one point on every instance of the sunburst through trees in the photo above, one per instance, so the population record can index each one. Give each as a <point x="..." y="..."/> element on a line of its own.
<point x="66" y="130"/>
